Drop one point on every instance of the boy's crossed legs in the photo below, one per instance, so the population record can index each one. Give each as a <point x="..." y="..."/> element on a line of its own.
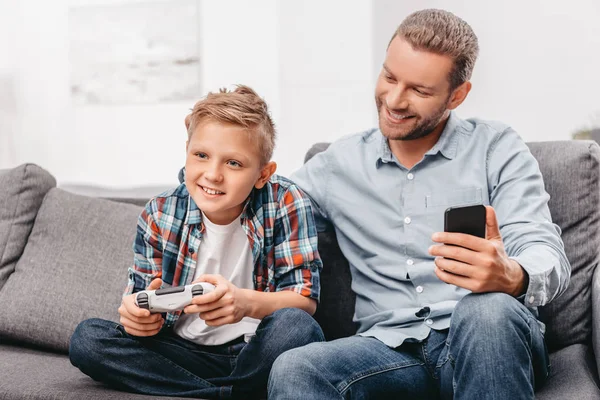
<point x="166" y="364"/>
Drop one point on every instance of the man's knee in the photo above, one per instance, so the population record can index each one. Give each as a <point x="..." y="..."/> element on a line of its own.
<point x="296" y="325"/>
<point x="490" y="309"/>
<point x="289" y="363"/>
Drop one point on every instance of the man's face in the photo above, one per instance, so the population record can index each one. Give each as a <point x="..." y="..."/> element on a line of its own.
<point x="222" y="166"/>
<point x="412" y="92"/>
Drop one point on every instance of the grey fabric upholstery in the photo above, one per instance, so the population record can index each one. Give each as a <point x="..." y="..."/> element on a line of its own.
<point x="21" y="192"/>
<point x="573" y="375"/>
<point x="74" y="267"/>
<point x="32" y="374"/>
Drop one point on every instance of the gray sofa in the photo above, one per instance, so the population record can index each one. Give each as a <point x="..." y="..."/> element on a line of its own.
<point x="64" y="256"/>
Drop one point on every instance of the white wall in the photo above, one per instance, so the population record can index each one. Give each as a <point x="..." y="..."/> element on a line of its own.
<point x="325" y="74"/>
<point x="314" y="61"/>
<point x="538" y="64"/>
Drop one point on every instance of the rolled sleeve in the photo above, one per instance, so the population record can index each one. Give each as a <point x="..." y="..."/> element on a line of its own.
<point x="545" y="275"/>
<point x="297" y="261"/>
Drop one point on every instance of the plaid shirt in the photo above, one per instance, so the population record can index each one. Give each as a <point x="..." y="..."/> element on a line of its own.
<point x="281" y="231"/>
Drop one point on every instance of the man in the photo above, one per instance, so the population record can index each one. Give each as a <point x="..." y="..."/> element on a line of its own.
<point x="440" y="314"/>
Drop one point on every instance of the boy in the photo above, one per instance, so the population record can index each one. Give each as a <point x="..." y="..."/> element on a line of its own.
<point x="231" y="223"/>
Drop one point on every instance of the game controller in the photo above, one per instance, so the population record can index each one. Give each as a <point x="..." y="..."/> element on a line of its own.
<point x="171" y="299"/>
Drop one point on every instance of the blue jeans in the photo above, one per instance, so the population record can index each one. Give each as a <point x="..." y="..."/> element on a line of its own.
<point x="166" y="364"/>
<point x="493" y="349"/>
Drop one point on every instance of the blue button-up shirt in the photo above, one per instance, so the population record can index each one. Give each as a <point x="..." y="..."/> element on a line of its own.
<point x="384" y="215"/>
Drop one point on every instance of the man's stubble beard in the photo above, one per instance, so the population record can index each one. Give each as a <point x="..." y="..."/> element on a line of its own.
<point x="421" y="130"/>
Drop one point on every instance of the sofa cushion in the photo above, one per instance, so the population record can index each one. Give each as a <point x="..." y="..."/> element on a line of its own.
<point x="571" y="171"/>
<point x="74" y="267"/>
<point x="39" y="375"/>
<point x="21" y="192"/>
<point x="573" y="375"/>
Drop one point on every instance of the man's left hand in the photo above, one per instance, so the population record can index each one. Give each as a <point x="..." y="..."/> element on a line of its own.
<point x="479" y="265"/>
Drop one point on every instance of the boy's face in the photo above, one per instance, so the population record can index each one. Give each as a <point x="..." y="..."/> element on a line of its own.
<point x="222" y="166"/>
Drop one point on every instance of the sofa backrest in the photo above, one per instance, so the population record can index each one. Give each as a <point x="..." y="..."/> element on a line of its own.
<point x="572" y="178"/>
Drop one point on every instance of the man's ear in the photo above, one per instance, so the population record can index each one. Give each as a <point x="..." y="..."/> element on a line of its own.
<point x="188" y="121"/>
<point x="459" y="95"/>
<point x="265" y="174"/>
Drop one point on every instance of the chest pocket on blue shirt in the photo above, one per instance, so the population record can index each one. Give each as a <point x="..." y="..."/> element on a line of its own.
<point x="455" y="198"/>
<point x="437" y="203"/>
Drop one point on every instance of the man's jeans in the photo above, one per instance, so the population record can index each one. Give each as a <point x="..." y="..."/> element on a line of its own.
<point x="494" y="349"/>
<point x="166" y="364"/>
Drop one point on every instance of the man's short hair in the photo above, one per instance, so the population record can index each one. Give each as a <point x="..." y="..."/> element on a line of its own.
<point x="241" y="107"/>
<point x="441" y="32"/>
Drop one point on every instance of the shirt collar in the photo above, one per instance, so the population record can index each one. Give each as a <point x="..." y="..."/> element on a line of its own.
<point x="447" y="144"/>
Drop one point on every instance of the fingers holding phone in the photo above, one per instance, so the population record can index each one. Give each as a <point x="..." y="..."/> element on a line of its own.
<point x="472" y="255"/>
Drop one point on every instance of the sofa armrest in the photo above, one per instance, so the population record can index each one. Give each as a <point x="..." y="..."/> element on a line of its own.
<point x="596" y="315"/>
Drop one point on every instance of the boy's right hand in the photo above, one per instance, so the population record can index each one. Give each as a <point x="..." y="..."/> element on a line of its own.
<point x="139" y="321"/>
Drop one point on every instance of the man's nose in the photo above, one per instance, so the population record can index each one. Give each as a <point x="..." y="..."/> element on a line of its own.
<point x="396" y="98"/>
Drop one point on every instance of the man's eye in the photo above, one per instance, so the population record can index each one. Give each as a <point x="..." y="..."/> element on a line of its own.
<point x="422" y="93"/>
<point x="234" y="163"/>
<point x="201" y="155"/>
<point x="388" y="78"/>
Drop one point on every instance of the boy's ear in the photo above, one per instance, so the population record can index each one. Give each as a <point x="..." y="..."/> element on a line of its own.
<point x="265" y="174"/>
<point x="188" y="120"/>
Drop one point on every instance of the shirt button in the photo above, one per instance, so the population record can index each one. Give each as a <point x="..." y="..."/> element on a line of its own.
<point x="429" y="321"/>
<point x="410" y="177"/>
<point x="407" y="220"/>
<point x="410" y="262"/>
<point x="419" y="289"/>
<point x="531" y="299"/>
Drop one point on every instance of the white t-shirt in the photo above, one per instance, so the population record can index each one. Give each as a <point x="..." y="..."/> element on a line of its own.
<point x="224" y="250"/>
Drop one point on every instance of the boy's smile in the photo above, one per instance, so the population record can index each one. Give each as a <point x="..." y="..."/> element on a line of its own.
<point x="221" y="169"/>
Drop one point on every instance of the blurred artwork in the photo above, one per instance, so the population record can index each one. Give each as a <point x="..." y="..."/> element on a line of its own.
<point x="134" y="52"/>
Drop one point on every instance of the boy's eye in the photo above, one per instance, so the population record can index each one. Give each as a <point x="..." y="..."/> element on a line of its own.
<point x="201" y="155"/>
<point x="234" y="163"/>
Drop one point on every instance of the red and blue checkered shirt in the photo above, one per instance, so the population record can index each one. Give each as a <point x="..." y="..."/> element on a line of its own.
<point x="281" y="231"/>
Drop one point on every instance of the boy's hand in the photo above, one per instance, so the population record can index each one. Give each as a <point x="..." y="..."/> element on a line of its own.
<point x="227" y="304"/>
<point x="139" y="321"/>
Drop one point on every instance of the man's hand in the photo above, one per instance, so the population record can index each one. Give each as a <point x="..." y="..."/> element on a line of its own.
<point x="227" y="304"/>
<point x="139" y="321"/>
<point x="479" y="265"/>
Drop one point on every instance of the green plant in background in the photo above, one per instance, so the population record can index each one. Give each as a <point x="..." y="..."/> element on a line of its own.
<point x="582" y="134"/>
<point x="589" y="132"/>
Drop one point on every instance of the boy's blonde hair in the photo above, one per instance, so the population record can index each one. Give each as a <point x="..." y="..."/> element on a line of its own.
<point x="241" y="107"/>
<point x="441" y="32"/>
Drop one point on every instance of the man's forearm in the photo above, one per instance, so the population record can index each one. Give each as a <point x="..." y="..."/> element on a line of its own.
<point x="266" y="303"/>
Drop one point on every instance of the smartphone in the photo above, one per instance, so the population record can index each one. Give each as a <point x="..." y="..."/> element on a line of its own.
<point x="469" y="220"/>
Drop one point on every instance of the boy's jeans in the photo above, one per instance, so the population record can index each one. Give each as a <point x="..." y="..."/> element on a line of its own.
<point x="494" y="349"/>
<point x="166" y="364"/>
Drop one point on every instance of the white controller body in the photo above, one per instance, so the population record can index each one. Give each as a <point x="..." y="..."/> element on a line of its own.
<point x="171" y="299"/>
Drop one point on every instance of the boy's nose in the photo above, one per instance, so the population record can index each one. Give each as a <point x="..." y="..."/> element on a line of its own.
<point x="213" y="174"/>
